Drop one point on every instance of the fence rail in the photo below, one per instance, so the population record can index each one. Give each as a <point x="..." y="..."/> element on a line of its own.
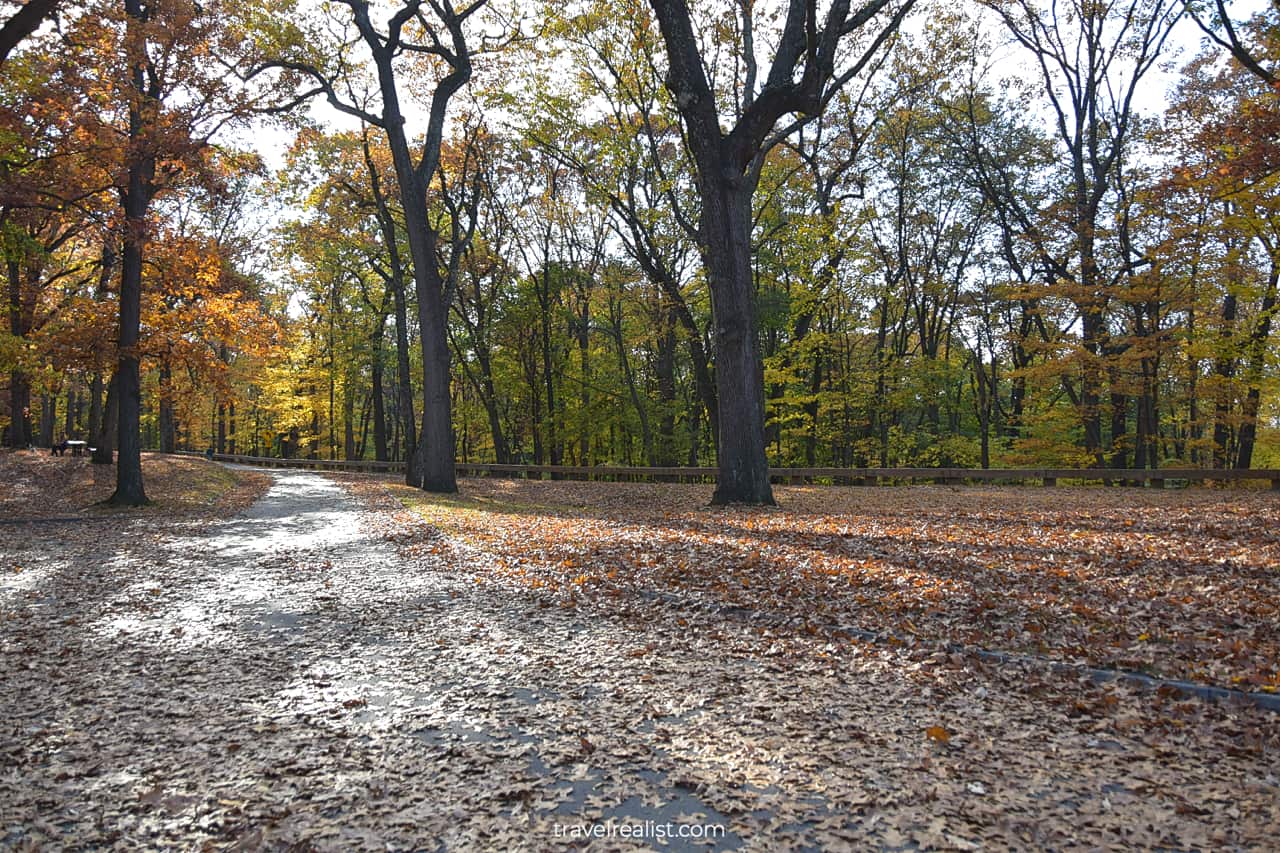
<point x="1155" y="478"/>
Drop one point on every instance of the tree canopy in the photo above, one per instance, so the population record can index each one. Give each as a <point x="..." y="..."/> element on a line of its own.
<point x="666" y="233"/>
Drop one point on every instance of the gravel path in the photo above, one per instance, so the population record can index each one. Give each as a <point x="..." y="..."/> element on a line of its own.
<point x="284" y="679"/>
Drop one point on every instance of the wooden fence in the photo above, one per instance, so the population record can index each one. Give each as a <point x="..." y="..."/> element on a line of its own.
<point x="1155" y="478"/>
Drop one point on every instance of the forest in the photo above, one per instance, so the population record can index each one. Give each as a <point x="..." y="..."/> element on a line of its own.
<point x="745" y="234"/>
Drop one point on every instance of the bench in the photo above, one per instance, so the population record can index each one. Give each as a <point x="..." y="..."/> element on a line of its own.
<point x="77" y="448"/>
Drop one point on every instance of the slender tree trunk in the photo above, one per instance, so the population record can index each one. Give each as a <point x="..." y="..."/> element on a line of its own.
<point x="96" y="389"/>
<point x="349" y="426"/>
<point x="1119" y="428"/>
<point x="554" y="443"/>
<point x="1258" y="338"/>
<point x="168" y="423"/>
<point x="664" y="369"/>
<point x="489" y="398"/>
<point x="1225" y="369"/>
<point x="220" y="439"/>
<point x="1091" y="382"/>
<point x="48" y="414"/>
<point x="624" y="363"/>
<point x="69" y="420"/>
<point x="379" y="413"/>
<point x="105" y="430"/>
<point x="584" y="390"/>
<point x="1146" y="450"/>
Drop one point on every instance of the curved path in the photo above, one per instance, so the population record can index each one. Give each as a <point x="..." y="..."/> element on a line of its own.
<point x="287" y="678"/>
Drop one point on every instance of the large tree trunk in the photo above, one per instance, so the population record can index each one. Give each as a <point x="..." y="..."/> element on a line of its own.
<point x="726" y="228"/>
<point x="128" y="386"/>
<point x="19" y="384"/>
<point x="137" y="198"/>
<point x="431" y="466"/>
<point x="436" y="447"/>
<point x="19" y="410"/>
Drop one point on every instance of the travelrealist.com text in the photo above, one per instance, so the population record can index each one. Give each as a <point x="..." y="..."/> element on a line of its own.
<point x="648" y="829"/>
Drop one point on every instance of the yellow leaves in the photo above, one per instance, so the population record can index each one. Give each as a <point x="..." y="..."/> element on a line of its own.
<point x="938" y="734"/>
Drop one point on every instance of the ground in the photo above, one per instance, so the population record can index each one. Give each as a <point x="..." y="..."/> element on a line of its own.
<point x="351" y="665"/>
<point x="39" y="485"/>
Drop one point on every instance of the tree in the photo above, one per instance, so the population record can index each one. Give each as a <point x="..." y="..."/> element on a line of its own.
<point x="1226" y="33"/>
<point x="806" y="72"/>
<point x="177" y="91"/>
<point x="444" y="42"/>
<point x="1091" y="58"/>
<point x="23" y="23"/>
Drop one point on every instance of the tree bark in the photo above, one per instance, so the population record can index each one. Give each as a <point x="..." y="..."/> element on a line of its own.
<point x="379" y="408"/>
<point x="432" y="465"/>
<point x="48" y="414"/>
<point x="1225" y="369"/>
<point x="168" y="423"/>
<point x="801" y="78"/>
<point x="19" y="384"/>
<point x="137" y="199"/>
<point x="1258" y="338"/>
<point x="24" y="22"/>
<point x="104" y="439"/>
<point x="726" y="229"/>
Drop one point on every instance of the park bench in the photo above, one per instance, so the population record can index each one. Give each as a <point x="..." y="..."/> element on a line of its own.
<point x="77" y="448"/>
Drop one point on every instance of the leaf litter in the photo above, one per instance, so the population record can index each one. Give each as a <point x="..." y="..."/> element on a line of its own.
<point x="488" y="669"/>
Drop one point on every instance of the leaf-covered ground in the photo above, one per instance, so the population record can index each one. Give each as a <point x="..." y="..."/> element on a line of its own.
<point x="1180" y="584"/>
<point x="37" y="484"/>
<point x="323" y="673"/>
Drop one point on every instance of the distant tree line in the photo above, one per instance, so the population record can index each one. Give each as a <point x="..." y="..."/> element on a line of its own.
<point x="656" y="234"/>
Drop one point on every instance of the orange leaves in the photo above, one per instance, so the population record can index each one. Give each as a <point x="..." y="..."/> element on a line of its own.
<point x="1057" y="574"/>
<point x="938" y="734"/>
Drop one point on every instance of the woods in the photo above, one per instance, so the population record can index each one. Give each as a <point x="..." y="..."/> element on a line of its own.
<point x="724" y="234"/>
